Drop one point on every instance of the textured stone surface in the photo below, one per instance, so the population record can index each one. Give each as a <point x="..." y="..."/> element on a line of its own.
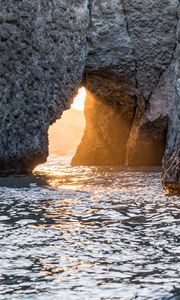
<point x="152" y="28"/>
<point x="129" y="50"/>
<point x="171" y="161"/>
<point x="42" y="57"/>
<point x="109" y="44"/>
<point x="142" y="58"/>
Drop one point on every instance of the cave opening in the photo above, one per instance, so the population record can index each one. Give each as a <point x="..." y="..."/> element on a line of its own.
<point x="66" y="133"/>
<point x="117" y="130"/>
<point x="109" y="112"/>
<point x="106" y="125"/>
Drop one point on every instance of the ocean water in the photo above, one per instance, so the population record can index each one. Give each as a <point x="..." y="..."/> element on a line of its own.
<point x="88" y="233"/>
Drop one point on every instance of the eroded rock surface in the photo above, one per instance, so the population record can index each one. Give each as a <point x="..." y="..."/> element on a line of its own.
<point x="42" y="56"/>
<point x="135" y="41"/>
<point x="171" y="161"/>
<point x="129" y="53"/>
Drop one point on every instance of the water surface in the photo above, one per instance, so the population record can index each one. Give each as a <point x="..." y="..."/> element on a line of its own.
<point x="88" y="233"/>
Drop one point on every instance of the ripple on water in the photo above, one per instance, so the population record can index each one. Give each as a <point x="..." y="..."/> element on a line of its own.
<point x="88" y="233"/>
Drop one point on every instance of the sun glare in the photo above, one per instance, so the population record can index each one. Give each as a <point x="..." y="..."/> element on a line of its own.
<point x="79" y="100"/>
<point x="66" y="133"/>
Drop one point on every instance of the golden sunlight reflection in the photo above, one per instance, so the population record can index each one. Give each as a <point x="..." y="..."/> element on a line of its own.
<point x="78" y="102"/>
<point x="65" y="134"/>
<point x="54" y="271"/>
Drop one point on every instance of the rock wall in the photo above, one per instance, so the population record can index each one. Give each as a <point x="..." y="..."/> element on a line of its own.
<point x="128" y="51"/>
<point x="171" y="161"/>
<point x="42" y="56"/>
<point x="136" y="42"/>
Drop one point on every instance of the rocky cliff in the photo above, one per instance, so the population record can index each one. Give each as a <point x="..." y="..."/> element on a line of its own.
<point x="42" y="56"/>
<point x="126" y="53"/>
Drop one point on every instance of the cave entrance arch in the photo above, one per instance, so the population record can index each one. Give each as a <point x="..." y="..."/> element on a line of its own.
<point x="109" y="112"/>
<point x="117" y="131"/>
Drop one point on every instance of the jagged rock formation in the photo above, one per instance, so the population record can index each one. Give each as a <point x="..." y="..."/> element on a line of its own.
<point x="143" y="59"/>
<point x="42" y="57"/>
<point x="129" y="53"/>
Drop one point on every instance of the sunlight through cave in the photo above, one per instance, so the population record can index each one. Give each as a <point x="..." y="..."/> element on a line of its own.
<point x="66" y="133"/>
